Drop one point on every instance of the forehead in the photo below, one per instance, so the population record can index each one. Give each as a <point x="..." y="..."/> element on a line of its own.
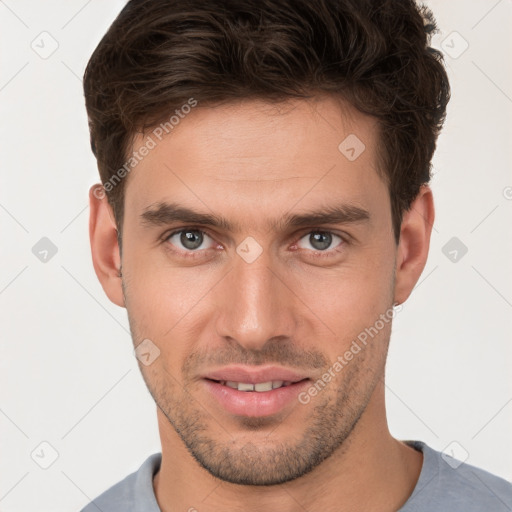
<point x="253" y="156"/>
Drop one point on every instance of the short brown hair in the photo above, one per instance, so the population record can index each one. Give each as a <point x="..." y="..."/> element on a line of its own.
<point x="158" y="54"/>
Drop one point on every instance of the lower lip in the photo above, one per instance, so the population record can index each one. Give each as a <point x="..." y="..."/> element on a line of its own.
<point x="255" y="403"/>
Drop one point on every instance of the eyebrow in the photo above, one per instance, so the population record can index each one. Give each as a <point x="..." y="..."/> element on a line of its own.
<point x="163" y="213"/>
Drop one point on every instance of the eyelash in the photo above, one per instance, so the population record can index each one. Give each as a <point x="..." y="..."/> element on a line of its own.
<point x="329" y="253"/>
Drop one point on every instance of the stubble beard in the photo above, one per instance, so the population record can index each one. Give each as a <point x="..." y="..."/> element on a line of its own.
<point x="330" y="420"/>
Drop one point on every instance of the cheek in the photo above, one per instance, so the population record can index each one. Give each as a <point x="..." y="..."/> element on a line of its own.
<point x="166" y="304"/>
<point x="353" y="294"/>
<point x="154" y="284"/>
<point x="350" y="301"/>
<point x="359" y="313"/>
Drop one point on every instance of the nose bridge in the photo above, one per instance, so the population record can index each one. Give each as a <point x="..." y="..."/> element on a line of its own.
<point x="255" y="306"/>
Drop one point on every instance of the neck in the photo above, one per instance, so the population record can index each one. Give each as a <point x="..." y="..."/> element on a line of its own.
<point x="371" y="471"/>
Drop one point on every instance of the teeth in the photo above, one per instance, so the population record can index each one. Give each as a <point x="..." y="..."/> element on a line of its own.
<point x="242" y="386"/>
<point x="260" y="386"/>
<point x="263" y="386"/>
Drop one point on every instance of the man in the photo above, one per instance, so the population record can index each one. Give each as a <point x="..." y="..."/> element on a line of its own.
<point x="264" y="211"/>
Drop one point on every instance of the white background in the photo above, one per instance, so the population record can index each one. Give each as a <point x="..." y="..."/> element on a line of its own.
<point x="68" y="374"/>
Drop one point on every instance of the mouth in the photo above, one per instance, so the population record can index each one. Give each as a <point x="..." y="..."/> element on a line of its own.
<point x="258" y="387"/>
<point x="255" y="394"/>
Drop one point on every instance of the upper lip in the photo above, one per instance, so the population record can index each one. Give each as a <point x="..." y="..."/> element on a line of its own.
<point x="254" y="375"/>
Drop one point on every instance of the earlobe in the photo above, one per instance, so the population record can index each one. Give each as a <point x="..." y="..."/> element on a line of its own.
<point x="104" y="245"/>
<point x="414" y="243"/>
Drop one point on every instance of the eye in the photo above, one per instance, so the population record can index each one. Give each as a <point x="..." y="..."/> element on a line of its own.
<point x="189" y="240"/>
<point x="319" y="240"/>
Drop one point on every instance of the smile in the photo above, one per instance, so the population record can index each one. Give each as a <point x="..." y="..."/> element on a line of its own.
<point x="259" y="386"/>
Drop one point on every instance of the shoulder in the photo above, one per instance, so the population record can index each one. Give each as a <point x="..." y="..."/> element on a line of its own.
<point x="446" y="483"/>
<point x="474" y="487"/>
<point x="134" y="492"/>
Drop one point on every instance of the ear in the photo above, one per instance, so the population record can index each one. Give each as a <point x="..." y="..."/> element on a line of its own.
<point x="104" y="245"/>
<point x="414" y="243"/>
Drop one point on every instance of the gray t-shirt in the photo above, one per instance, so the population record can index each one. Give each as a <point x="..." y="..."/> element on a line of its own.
<point x="444" y="485"/>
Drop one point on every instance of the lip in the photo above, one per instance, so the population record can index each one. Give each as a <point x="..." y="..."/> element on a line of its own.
<point x="252" y="375"/>
<point x="255" y="403"/>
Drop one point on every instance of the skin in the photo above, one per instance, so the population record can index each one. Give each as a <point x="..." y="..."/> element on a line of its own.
<point x="251" y="163"/>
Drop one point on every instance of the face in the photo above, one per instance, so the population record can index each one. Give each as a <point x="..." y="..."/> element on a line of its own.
<point x="255" y="251"/>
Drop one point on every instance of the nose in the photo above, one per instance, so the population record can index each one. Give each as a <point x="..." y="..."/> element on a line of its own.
<point x="255" y="304"/>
